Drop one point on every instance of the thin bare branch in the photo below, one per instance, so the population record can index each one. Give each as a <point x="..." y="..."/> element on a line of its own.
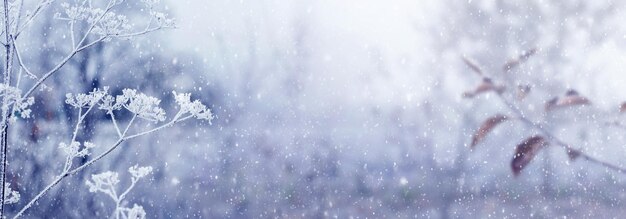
<point x="40" y="6"/>
<point x="21" y="62"/>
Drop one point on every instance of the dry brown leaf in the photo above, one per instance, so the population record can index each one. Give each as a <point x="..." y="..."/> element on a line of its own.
<point x="573" y="101"/>
<point x="622" y="108"/>
<point x="525" y="152"/>
<point x="488" y="125"/>
<point x="472" y="65"/>
<point x="571" y="98"/>
<point x="520" y="59"/>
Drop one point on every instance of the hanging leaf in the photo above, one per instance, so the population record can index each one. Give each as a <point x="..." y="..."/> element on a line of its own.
<point x="525" y="152"/>
<point x="622" y="108"/>
<point x="571" y="98"/>
<point x="472" y="65"/>
<point x="574" y="101"/>
<point x="488" y="125"/>
<point x="519" y="60"/>
<point x="486" y="86"/>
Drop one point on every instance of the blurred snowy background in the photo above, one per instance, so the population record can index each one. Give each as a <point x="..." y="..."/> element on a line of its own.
<point x="338" y="109"/>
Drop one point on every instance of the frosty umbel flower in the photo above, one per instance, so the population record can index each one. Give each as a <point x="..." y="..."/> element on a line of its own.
<point x="73" y="149"/>
<point x="139" y="172"/>
<point x="112" y="24"/>
<point x="13" y="96"/>
<point x="195" y="108"/>
<point x="109" y="104"/>
<point x="106" y="182"/>
<point x="22" y="106"/>
<point x="142" y="105"/>
<point x="85" y="100"/>
<point x="103" y="182"/>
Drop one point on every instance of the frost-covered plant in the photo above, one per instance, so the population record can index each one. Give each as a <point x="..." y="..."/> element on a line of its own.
<point x="141" y="106"/>
<point x="107" y="24"/>
<point x="103" y="23"/>
<point x="106" y="183"/>
<point x="14" y="98"/>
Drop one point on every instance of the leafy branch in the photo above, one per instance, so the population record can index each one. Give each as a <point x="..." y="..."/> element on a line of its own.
<point x="527" y="149"/>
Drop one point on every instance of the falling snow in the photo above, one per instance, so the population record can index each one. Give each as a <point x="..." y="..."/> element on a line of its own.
<point x="313" y="109"/>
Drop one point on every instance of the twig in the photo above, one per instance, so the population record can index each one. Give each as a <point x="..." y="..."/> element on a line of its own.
<point x="68" y="57"/>
<point x="555" y="139"/>
<point x="21" y="62"/>
<point x="117" y="127"/>
<point x="32" y="16"/>
<point x="129" y="124"/>
<point x="138" y="33"/>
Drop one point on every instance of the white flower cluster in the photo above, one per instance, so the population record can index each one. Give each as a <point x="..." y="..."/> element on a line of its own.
<point x="112" y="24"/>
<point x="14" y="96"/>
<point x="85" y="100"/>
<point x="12" y="196"/>
<point x="106" y="183"/>
<point x="160" y="17"/>
<point x="74" y="150"/>
<point x="106" y="22"/>
<point x="195" y="108"/>
<point x="77" y="12"/>
<point x="142" y="105"/>
<point x="139" y="172"/>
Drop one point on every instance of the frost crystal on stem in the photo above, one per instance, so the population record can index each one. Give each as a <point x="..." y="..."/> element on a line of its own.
<point x="11" y="196"/>
<point x="13" y="96"/>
